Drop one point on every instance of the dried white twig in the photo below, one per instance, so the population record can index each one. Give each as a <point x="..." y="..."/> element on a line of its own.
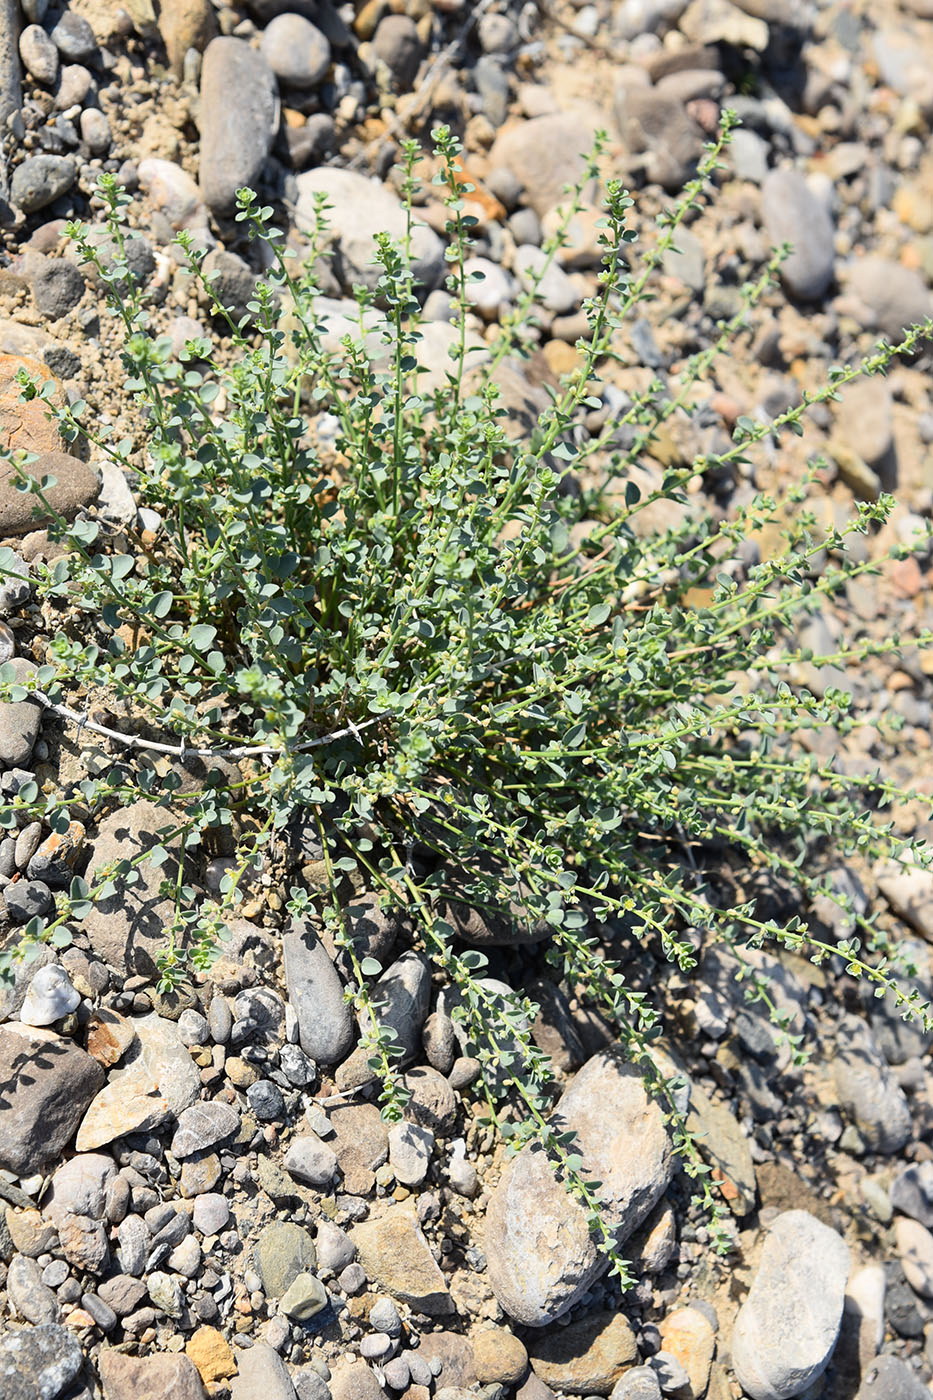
<point x="182" y="750"/>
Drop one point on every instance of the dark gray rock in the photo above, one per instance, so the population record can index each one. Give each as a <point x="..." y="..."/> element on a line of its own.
<point x="37" y="1363"/>
<point x="325" y="1021"/>
<point x="234" y="284"/>
<point x="40" y="180"/>
<point x="28" y="899"/>
<point x="46" y="1083"/>
<point x="239" y="117"/>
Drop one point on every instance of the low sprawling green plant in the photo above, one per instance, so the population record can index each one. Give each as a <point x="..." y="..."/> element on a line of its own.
<point x="451" y="652"/>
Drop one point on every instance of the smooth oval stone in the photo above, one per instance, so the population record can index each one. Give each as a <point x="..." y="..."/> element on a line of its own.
<point x="787" y="1327"/>
<point x="793" y="214"/>
<point x="40" y="180"/>
<point x="239" y="117"/>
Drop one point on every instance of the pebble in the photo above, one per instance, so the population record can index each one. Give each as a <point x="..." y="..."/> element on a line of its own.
<point x="325" y="1021"/>
<point x="499" y="1356"/>
<point x="261" y="1372"/>
<point x="304" y="1298"/>
<point x="95" y="131"/>
<point x="30" y="1297"/>
<point x="265" y="1100"/>
<point x="555" y="290"/>
<point x="126" y="1377"/>
<point x="787" y="1327"/>
<point x="19" y="720"/>
<point x="361" y="207"/>
<point x="869" y="1092"/>
<point x="398" y="44"/>
<point x="39" y="54"/>
<point x="584" y="1357"/>
<point x="541" y="1256"/>
<point x="39" y="180"/>
<point x="893" y="296"/>
<point x="640" y="1383"/>
<point x="915" y="1250"/>
<point x="410" y="1149"/>
<point x="659" y="130"/>
<point x="296" y="51"/>
<point x="236" y="137"/>
<point x="792" y="213"/>
<point x="543" y="155"/>
<point x="74" y="38"/>
<point x="890" y="1378"/>
<point x="311" y="1160"/>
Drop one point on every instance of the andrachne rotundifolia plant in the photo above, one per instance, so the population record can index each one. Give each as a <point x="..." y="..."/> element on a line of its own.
<point x="450" y="653"/>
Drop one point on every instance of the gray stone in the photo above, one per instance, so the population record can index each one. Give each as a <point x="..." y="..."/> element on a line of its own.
<point x="265" y="1100"/>
<point x="79" y="1187"/>
<point x="283" y="1251"/>
<point x="912" y="1192"/>
<point x="28" y="1294"/>
<point x="58" y="286"/>
<point x="540" y="1252"/>
<point x="309" y="1159"/>
<point x="335" y="1249"/>
<point x="793" y="214"/>
<point x="95" y="131"/>
<point x="787" y="1327"/>
<point x="401" y="998"/>
<point x="122" y="1293"/>
<point x="19" y="719"/>
<point x="640" y="1383"/>
<point x="398" y="43"/>
<point x="28" y="899"/>
<point x="40" y="180"/>
<point x="890" y="1378"/>
<point x="48" y="1082"/>
<point x="325" y="1021"/>
<point x="410" y="1149"/>
<point x="134" y="1238"/>
<point x="234" y="284"/>
<point x="361" y="208"/>
<point x="868" y="1090"/>
<point x="39" y="55"/>
<point x="660" y="132"/>
<point x="261" y="1372"/>
<point x="296" y="51"/>
<point x="551" y="284"/>
<point x="891" y="295"/>
<point x="211" y="1213"/>
<point x="127" y="929"/>
<point x="236" y="135"/>
<point x="544" y="155"/>
<point x="310" y="1386"/>
<point x="203" y="1126"/>
<point x="38" y="1363"/>
<point x="74" y="38"/>
<point x="383" y="1315"/>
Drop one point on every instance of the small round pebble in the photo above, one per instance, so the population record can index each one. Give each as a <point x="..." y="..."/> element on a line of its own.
<point x="499" y="1356"/>
<point x="211" y="1213"/>
<point x="39" y="54"/>
<point x="265" y="1100"/>
<point x="74" y="38"/>
<point x="352" y="1279"/>
<point x="383" y="1315"/>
